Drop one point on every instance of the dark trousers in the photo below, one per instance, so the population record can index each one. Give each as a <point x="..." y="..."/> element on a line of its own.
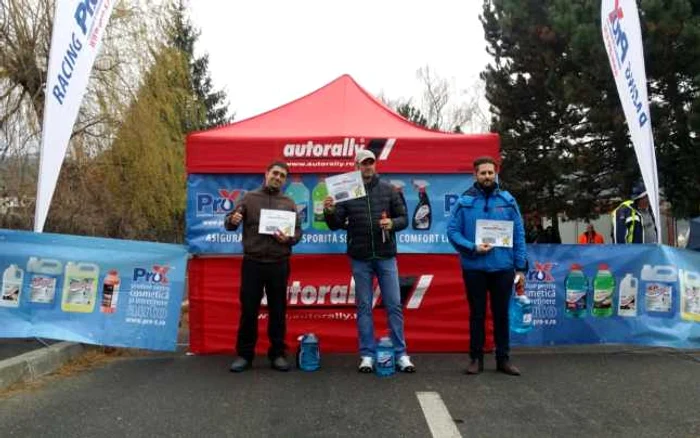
<point x="258" y="278"/>
<point x="499" y="284"/>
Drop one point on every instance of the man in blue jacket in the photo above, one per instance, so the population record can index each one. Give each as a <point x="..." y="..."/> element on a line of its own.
<point x="486" y="267"/>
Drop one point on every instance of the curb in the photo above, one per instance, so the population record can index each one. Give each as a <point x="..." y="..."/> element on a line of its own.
<point x="34" y="364"/>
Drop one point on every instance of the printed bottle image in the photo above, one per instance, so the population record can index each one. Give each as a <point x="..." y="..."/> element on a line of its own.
<point x="658" y="289"/>
<point x="576" y="292"/>
<point x="300" y="195"/>
<point x="80" y="287"/>
<point x="318" y="194"/>
<point x="627" y="300"/>
<point x="398" y="186"/>
<point x="110" y="292"/>
<point x="690" y="295"/>
<point x="43" y="280"/>
<point x="422" y="215"/>
<point x="520" y="310"/>
<point x="603" y="291"/>
<point x="12" y="279"/>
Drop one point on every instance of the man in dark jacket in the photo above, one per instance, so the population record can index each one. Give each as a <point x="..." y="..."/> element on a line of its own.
<point x="372" y="222"/>
<point x="265" y="269"/>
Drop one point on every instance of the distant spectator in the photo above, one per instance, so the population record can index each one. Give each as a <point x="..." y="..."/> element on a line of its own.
<point x="590" y="236"/>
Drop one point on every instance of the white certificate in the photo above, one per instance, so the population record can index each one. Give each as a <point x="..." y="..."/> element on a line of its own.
<point x="495" y="233"/>
<point x="273" y="221"/>
<point x="346" y="186"/>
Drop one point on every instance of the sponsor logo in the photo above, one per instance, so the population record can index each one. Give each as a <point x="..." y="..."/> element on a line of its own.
<point x="413" y="290"/>
<point x="334" y="150"/>
<point x="156" y="275"/>
<point x="209" y="204"/>
<point x="542" y="272"/>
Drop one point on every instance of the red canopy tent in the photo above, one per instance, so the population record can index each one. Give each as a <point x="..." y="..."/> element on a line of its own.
<point x="339" y="114"/>
<point x="320" y="133"/>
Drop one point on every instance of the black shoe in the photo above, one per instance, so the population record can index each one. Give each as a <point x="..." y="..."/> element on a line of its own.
<point x="508" y="368"/>
<point x="475" y="366"/>
<point x="240" y="364"/>
<point x="280" y="364"/>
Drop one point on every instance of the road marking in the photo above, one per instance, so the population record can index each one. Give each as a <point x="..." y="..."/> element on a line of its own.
<point x="438" y="417"/>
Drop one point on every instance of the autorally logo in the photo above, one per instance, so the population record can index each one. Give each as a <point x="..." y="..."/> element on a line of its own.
<point x="542" y="272"/>
<point x="381" y="147"/>
<point x="209" y="204"/>
<point x="413" y="290"/>
<point x="157" y="275"/>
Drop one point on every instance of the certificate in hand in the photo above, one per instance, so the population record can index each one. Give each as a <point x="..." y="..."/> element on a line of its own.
<point x="272" y="221"/>
<point x="495" y="233"/>
<point x="346" y="186"/>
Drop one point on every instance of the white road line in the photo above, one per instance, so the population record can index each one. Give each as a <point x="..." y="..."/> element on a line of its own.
<point x="438" y="417"/>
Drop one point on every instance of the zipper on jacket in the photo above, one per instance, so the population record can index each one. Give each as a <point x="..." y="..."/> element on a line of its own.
<point x="371" y="229"/>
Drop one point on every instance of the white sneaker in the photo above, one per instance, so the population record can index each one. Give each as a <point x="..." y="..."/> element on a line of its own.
<point x="405" y="365"/>
<point x="366" y="364"/>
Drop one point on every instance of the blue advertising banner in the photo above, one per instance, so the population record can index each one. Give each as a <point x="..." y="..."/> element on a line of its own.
<point x="96" y="291"/>
<point x="609" y="294"/>
<point x="210" y="197"/>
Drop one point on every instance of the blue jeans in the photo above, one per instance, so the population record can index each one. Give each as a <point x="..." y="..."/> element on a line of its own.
<point x="363" y="271"/>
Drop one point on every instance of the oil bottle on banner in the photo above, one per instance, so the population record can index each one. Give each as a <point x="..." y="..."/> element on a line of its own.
<point x="43" y="280"/>
<point x="627" y="300"/>
<point x="603" y="291"/>
<point x="690" y="295"/>
<point x="80" y="287"/>
<point x="385" y="363"/>
<point x="318" y="194"/>
<point x="520" y="309"/>
<point x="300" y="195"/>
<point x="110" y="292"/>
<point x="658" y="289"/>
<point x="576" y="292"/>
<point x="12" y="279"/>
<point x="422" y="215"/>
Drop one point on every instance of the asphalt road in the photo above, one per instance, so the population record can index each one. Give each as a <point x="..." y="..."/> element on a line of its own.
<point x="627" y="393"/>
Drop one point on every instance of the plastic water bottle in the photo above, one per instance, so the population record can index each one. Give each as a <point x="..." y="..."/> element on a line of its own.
<point x="309" y="353"/>
<point x="318" y="195"/>
<point x="385" y="364"/>
<point x="627" y="301"/>
<point x="520" y="310"/>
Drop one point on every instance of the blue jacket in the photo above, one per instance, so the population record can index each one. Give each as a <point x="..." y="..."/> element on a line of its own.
<point x="461" y="230"/>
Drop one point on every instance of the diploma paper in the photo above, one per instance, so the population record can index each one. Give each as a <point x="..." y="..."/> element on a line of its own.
<point x="346" y="186"/>
<point x="272" y="221"/>
<point x="495" y="233"/>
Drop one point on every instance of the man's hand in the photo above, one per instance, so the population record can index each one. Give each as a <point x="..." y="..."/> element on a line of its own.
<point x="483" y="248"/>
<point x="329" y="204"/>
<point x="520" y="278"/>
<point x="281" y="237"/>
<point x="236" y="218"/>
<point x="386" y="224"/>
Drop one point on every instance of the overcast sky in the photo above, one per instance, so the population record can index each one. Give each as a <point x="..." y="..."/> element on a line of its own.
<point x="265" y="53"/>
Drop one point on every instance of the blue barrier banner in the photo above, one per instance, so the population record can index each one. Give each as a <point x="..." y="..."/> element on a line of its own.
<point x="97" y="291"/>
<point x="210" y="197"/>
<point x="609" y="294"/>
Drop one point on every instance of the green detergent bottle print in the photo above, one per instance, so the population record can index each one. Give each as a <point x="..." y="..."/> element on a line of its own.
<point x="603" y="292"/>
<point x="318" y="194"/>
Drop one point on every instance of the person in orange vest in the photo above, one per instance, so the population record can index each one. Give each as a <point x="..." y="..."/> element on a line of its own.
<point x="590" y="236"/>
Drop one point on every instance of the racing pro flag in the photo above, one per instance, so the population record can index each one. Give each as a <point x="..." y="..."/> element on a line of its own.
<point x="623" y="42"/>
<point x="77" y="33"/>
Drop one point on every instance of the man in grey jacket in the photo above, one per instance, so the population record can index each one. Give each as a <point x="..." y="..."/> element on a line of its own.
<point x="372" y="222"/>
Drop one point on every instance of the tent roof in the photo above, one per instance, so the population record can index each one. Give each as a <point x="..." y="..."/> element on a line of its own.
<point x="340" y="108"/>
